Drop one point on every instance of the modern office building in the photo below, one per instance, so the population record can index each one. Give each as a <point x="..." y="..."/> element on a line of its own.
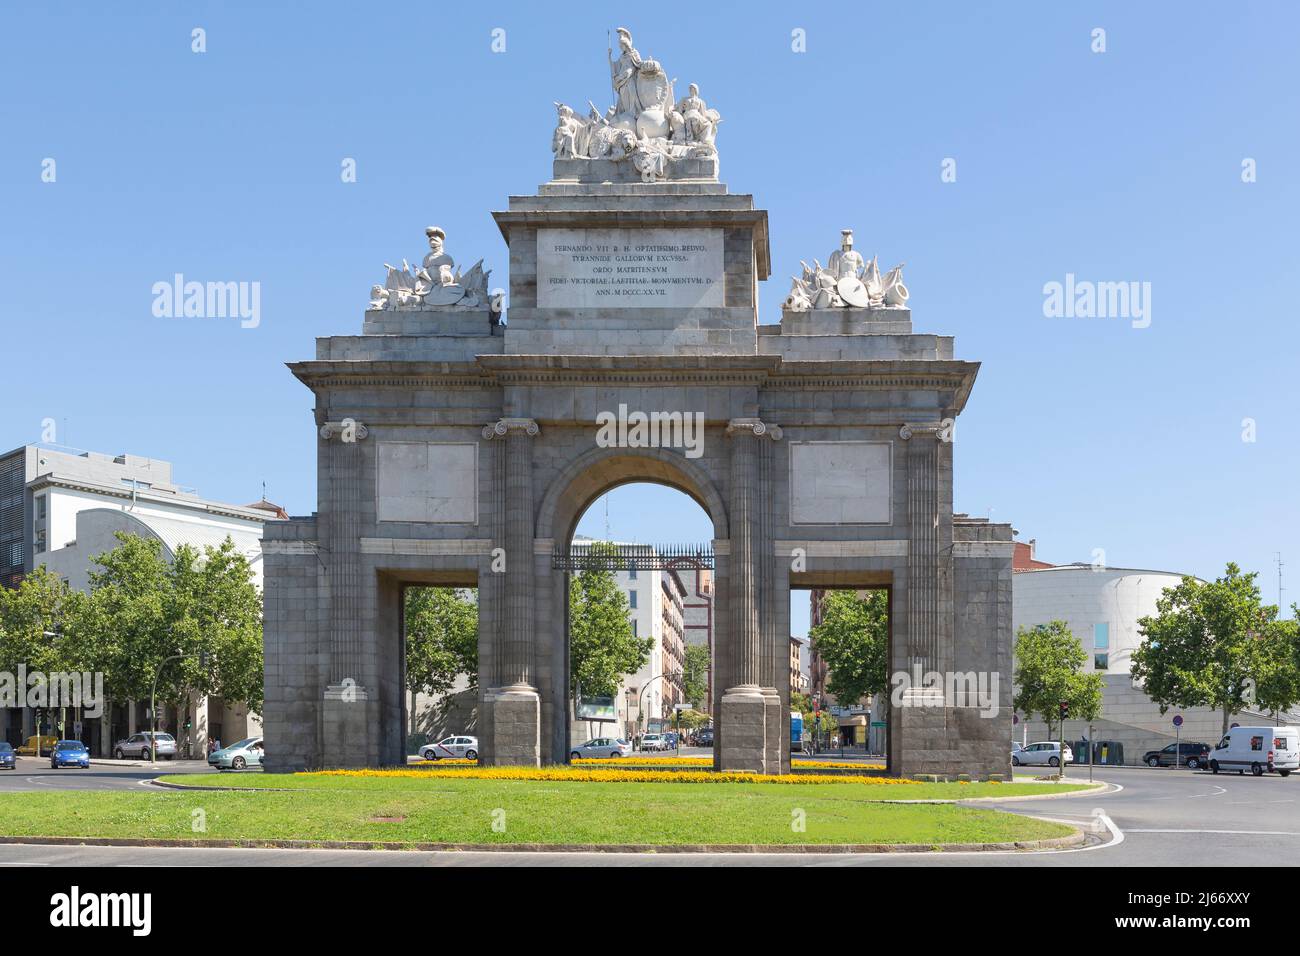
<point x="61" y="508"/>
<point x="1102" y="606"/>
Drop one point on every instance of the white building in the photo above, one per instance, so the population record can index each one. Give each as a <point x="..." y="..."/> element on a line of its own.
<point x="1102" y="606"/>
<point x="60" y="508"/>
<point x="656" y="608"/>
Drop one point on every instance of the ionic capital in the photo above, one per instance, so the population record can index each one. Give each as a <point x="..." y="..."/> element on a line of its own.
<point x="943" y="430"/>
<point x="347" y="429"/>
<point x="503" y="426"/>
<point x="754" y="426"/>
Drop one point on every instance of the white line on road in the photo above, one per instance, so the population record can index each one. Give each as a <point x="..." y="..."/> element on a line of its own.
<point x="1237" y="832"/>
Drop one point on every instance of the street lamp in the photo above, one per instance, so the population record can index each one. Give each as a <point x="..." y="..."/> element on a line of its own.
<point x="640" y="708"/>
<point x="153" y="710"/>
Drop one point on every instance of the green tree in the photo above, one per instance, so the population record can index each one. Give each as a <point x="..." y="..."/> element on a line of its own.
<point x="143" y="610"/>
<point x="602" y="644"/>
<point x="441" y="640"/>
<point x="1215" y="645"/>
<point x="853" y="640"/>
<point x="1049" y="672"/>
<point x="695" y="674"/>
<point x="41" y="631"/>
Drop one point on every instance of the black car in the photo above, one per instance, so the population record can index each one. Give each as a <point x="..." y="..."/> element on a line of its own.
<point x="704" y="738"/>
<point x="1193" y="756"/>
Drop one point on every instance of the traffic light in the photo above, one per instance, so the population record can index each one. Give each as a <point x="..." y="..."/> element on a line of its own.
<point x="1065" y="710"/>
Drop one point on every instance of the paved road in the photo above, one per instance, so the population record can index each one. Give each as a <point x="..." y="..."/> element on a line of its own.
<point x="35" y="774"/>
<point x="1163" y="818"/>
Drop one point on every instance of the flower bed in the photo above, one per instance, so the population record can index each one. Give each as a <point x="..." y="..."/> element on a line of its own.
<point x="630" y="775"/>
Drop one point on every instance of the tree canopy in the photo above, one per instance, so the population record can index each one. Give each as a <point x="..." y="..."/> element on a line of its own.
<point x="602" y="644"/>
<point x="1216" y="645"/>
<point x="1049" y="672"/>
<point x="853" y="640"/>
<point x="441" y="639"/>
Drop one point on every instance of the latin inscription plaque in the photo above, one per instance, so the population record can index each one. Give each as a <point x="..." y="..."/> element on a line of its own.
<point x="629" y="268"/>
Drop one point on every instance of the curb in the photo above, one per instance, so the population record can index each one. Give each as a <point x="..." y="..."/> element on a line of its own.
<point x="1055" y="843"/>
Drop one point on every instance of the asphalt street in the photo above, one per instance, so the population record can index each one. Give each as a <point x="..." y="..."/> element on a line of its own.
<point x="1165" y="817"/>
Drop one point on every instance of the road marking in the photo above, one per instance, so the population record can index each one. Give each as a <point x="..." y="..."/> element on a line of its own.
<point x="1237" y="832"/>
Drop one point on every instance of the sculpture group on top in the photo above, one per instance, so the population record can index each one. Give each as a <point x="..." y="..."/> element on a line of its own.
<point x="436" y="284"/>
<point x="847" y="281"/>
<point x="646" y="126"/>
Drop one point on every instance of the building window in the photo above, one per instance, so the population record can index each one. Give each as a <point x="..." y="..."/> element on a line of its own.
<point x="40" y="542"/>
<point x="631" y="599"/>
<point x="1101" y="661"/>
<point x="631" y="570"/>
<point x="1101" y="637"/>
<point x="634" y="627"/>
<point x="40" y="507"/>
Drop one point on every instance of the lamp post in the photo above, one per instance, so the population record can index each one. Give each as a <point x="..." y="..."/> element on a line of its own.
<point x="153" y="709"/>
<point x="641" y="709"/>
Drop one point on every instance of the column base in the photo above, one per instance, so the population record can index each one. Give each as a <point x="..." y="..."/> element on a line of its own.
<point x="935" y="738"/>
<point x="349" y="722"/>
<point x="744" y="730"/>
<point x="510" y="727"/>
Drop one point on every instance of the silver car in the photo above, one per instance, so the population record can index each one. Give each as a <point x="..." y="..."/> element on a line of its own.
<point x="137" y="746"/>
<point x="601" y="747"/>
<point x="465" y="748"/>
<point x="1044" y="754"/>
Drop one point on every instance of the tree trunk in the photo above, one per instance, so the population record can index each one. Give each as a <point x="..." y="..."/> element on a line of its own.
<point x="1227" y="714"/>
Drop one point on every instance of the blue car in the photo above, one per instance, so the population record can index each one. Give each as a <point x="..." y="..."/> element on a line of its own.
<point x="70" y="753"/>
<point x="6" y="755"/>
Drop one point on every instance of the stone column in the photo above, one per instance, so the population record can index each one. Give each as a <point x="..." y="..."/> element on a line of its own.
<point x="745" y="705"/>
<point x="510" y="715"/>
<point x="924" y="721"/>
<point x="350" y="709"/>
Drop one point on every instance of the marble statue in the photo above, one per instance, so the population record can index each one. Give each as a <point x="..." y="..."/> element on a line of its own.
<point x="435" y="284"/>
<point x="848" y="281"/>
<point x="645" y="125"/>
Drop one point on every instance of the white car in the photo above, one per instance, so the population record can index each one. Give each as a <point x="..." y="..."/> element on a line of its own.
<point x="655" y="742"/>
<point x="1044" y="754"/>
<point x="455" y="748"/>
<point x="601" y="747"/>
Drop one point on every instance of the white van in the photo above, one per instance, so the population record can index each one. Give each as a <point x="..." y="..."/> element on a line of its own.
<point x="1257" y="749"/>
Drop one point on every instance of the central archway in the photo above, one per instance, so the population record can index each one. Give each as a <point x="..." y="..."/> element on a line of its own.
<point x="567" y="498"/>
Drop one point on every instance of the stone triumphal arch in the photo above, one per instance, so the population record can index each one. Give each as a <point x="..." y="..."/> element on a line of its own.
<point x="457" y="449"/>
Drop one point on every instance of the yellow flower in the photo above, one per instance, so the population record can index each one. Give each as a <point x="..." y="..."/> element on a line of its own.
<point x="593" y="775"/>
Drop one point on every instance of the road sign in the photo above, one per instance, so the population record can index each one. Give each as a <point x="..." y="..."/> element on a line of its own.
<point x="1178" y="720"/>
<point x="877" y="723"/>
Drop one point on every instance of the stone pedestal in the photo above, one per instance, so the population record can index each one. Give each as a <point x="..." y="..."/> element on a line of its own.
<point x="349" y="716"/>
<point x="744" y="743"/>
<point x="510" y="726"/>
<point x="935" y="737"/>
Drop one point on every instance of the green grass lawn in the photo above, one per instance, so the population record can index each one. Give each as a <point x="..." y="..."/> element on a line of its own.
<point x="444" y="810"/>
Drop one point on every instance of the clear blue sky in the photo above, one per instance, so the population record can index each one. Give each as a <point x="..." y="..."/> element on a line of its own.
<point x="1125" y="165"/>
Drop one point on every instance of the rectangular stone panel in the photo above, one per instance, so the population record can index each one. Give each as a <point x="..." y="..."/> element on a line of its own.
<point x="840" y="482"/>
<point x="630" y="268"/>
<point x="434" y="482"/>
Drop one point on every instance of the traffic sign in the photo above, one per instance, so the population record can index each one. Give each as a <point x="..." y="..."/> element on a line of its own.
<point x="1178" y="720"/>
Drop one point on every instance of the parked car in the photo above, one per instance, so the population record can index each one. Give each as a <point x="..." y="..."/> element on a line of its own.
<point x="1043" y="754"/>
<point x="248" y="752"/>
<point x="70" y="753"/>
<point x="704" y="738"/>
<point x="1258" y="749"/>
<point x="38" y="746"/>
<point x="137" y="746"/>
<point x="654" y="742"/>
<point x="602" y="747"/>
<point x="1189" y="755"/>
<point x="453" y="747"/>
<point x="7" y="760"/>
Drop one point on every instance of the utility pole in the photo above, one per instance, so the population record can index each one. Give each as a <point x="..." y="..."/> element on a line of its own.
<point x="1279" y="582"/>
